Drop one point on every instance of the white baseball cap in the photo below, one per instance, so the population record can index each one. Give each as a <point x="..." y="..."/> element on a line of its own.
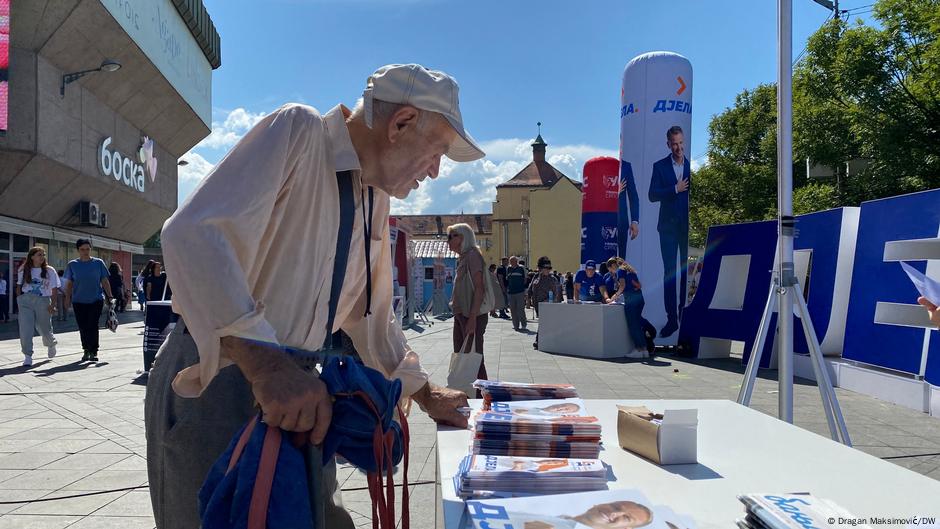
<point x="431" y="90"/>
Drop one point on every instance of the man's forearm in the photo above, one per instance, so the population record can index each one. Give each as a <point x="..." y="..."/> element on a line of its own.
<point x="252" y="358"/>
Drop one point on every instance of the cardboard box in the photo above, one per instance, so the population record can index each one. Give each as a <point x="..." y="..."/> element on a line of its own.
<point x="673" y="441"/>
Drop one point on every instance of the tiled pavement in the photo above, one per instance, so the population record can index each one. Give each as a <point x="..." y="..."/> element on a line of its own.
<point x="73" y="434"/>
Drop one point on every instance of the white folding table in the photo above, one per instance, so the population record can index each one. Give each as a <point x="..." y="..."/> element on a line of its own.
<point x="739" y="451"/>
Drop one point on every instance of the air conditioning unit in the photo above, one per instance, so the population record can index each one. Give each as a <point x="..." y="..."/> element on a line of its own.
<point x="88" y="213"/>
<point x="103" y="220"/>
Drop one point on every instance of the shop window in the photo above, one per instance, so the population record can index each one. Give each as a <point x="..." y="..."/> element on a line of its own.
<point x="4" y="241"/>
<point x="20" y="243"/>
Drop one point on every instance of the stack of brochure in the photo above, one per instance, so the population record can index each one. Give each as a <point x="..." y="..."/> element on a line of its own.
<point x="496" y="391"/>
<point x="585" y="510"/>
<point x="557" y="428"/>
<point x="506" y="476"/>
<point x="794" y="511"/>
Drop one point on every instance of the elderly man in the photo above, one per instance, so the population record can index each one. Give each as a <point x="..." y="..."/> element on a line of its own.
<point x="283" y="244"/>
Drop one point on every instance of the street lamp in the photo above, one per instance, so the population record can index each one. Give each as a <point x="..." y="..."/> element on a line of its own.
<point x="107" y="65"/>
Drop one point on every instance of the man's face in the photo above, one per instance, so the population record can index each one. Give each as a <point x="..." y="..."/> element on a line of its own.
<point x="504" y="262"/>
<point x="84" y="251"/>
<point x="676" y="145"/>
<point x="513" y="262"/>
<point x="567" y="407"/>
<point x="616" y="515"/>
<point x="589" y="272"/>
<point x="413" y="156"/>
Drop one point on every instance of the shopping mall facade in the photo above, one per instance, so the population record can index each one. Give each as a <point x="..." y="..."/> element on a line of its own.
<point x="95" y="155"/>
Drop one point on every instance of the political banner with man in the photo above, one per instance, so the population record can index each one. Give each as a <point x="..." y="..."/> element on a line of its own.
<point x="655" y="181"/>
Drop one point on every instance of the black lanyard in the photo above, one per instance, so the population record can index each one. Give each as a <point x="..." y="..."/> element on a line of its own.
<point x="367" y="236"/>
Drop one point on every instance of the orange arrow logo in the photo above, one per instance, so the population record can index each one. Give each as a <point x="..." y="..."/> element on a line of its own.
<point x="681" y="86"/>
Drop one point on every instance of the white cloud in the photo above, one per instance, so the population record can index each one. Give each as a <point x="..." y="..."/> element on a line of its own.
<point x="698" y="163"/>
<point x="197" y="168"/>
<point x="415" y="204"/>
<point x="464" y="187"/>
<point x="478" y="180"/>
<point x="227" y="132"/>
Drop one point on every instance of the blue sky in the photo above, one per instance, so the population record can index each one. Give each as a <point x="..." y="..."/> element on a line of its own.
<point x="517" y="62"/>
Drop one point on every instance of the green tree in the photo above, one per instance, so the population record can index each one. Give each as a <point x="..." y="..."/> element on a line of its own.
<point x="861" y="93"/>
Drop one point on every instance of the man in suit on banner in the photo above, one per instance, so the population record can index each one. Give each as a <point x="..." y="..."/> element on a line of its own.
<point x="669" y="186"/>
<point x="628" y="220"/>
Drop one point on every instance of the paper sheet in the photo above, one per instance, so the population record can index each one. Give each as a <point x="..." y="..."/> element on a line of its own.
<point x="927" y="287"/>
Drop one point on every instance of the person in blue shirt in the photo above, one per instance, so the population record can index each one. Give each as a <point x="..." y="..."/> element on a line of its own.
<point x="610" y="278"/>
<point x="87" y="290"/>
<point x="589" y="285"/>
<point x="629" y="292"/>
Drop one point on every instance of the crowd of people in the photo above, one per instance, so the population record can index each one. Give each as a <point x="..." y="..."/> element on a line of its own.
<point x="86" y="286"/>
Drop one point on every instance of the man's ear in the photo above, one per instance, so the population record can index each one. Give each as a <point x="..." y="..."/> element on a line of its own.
<point x="404" y="119"/>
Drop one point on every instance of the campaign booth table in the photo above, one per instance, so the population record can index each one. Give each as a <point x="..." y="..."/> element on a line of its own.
<point x="159" y="316"/>
<point x="592" y="330"/>
<point x="740" y="451"/>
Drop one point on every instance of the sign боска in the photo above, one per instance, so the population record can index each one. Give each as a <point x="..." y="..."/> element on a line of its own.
<point x="125" y="168"/>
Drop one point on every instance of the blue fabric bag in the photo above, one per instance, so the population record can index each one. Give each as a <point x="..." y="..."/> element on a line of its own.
<point x="260" y="463"/>
<point x="261" y="481"/>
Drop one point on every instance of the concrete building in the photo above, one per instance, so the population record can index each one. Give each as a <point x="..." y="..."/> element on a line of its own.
<point x="434" y="227"/>
<point x="538" y="212"/>
<point x="104" y="97"/>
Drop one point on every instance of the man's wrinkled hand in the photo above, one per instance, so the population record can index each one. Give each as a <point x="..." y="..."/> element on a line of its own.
<point x="441" y="404"/>
<point x="295" y="401"/>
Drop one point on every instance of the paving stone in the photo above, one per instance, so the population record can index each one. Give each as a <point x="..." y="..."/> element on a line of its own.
<point x="82" y="505"/>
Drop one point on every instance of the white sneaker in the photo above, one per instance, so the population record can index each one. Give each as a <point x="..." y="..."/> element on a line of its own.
<point x="27" y="361"/>
<point x="51" y="351"/>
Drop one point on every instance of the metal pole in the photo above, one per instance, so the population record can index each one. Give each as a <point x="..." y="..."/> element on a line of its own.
<point x="785" y="207"/>
<point x="757" y="349"/>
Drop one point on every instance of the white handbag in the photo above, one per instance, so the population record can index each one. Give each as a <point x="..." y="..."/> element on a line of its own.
<point x="464" y="366"/>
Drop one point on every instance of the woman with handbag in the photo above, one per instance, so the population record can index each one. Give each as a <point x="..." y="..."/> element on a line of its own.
<point x="470" y="313"/>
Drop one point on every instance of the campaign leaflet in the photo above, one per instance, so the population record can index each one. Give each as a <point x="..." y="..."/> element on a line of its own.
<point x="554" y="417"/>
<point x="794" y="511"/>
<point x="623" y="509"/>
<point x="503" y="476"/>
<point x="496" y="391"/>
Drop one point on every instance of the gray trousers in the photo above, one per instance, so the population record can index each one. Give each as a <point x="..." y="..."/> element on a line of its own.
<point x="186" y="436"/>
<point x="517" y="310"/>
<point x="34" y="314"/>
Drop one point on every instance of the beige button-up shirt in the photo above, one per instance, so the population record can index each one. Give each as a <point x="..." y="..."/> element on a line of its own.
<point x="250" y="253"/>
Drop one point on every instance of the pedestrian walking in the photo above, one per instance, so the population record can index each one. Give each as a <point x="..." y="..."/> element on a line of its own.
<point x="469" y="290"/>
<point x="501" y="276"/>
<point x="4" y="300"/>
<point x="140" y="283"/>
<point x="515" y="287"/>
<point x="116" y="280"/>
<point x="37" y="286"/>
<point x="87" y="291"/>
<point x="296" y="199"/>
<point x="156" y="286"/>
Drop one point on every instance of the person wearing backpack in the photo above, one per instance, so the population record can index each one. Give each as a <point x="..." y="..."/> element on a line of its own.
<point x="469" y="290"/>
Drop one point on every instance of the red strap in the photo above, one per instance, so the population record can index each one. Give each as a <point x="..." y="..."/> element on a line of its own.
<point x="405" y="515"/>
<point x="383" y="505"/>
<point x="240" y="445"/>
<point x="264" y="479"/>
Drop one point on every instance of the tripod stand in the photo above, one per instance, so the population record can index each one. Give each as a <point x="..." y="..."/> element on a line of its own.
<point x="837" y="429"/>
